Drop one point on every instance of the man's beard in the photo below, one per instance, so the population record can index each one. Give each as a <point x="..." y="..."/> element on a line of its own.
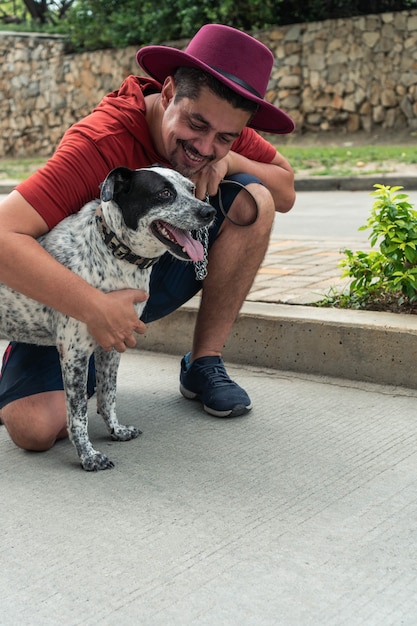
<point x="187" y="170"/>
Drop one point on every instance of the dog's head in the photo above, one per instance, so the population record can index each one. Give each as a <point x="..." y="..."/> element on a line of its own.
<point x="153" y="209"/>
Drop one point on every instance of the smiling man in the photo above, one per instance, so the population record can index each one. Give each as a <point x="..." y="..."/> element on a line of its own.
<point x="198" y="114"/>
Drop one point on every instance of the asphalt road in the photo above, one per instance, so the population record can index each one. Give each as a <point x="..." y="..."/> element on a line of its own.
<point x="328" y="215"/>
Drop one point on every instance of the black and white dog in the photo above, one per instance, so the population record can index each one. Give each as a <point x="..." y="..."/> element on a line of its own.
<point x="112" y="243"/>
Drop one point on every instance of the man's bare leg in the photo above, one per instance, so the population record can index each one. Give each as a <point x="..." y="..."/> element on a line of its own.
<point x="234" y="260"/>
<point x="36" y="422"/>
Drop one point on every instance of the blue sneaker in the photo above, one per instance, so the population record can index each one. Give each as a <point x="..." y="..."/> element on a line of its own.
<point x="206" y="379"/>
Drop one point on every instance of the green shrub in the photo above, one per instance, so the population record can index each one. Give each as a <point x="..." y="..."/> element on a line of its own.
<point x="388" y="274"/>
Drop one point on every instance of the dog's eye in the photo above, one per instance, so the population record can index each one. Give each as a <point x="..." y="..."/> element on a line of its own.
<point x="165" y="193"/>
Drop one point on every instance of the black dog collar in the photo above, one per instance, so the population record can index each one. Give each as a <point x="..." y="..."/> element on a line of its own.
<point x="119" y="249"/>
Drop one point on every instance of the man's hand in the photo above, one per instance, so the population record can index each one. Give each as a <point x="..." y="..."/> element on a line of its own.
<point x="277" y="176"/>
<point x="113" y="320"/>
<point x="208" y="180"/>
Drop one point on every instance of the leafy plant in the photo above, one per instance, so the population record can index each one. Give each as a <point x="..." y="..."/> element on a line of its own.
<point x="388" y="273"/>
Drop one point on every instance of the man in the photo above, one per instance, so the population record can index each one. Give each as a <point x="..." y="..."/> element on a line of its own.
<point x="196" y="114"/>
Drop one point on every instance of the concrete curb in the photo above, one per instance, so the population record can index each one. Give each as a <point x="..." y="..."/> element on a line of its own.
<point x="366" y="346"/>
<point x="357" y="183"/>
<point x="317" y="183"/>
<point x="7" y="186"/>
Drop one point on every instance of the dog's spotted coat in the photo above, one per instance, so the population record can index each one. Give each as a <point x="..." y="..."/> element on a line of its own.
<point x="111" y="243"/>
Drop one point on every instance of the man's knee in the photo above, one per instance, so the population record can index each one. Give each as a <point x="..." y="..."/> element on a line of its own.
<point x="36" y="422"/>
<point x="253" y="208"/>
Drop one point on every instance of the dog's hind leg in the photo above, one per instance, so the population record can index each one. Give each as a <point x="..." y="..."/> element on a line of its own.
<point x="107" y="364"/>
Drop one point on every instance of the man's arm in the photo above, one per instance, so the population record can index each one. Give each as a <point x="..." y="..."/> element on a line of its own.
<point x="26" y="267"/>
<point x="277" y="176"/>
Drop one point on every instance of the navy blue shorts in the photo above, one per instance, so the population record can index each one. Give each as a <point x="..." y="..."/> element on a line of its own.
<point x="28" y="369"/>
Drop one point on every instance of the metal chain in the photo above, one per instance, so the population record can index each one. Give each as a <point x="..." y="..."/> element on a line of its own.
<point x="200" y="267"/>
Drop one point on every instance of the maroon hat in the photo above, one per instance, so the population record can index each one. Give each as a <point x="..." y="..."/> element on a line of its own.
<point x="236" y="59"/>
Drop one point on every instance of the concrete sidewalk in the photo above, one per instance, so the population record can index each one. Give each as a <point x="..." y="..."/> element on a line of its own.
<point x="302" y="513"/>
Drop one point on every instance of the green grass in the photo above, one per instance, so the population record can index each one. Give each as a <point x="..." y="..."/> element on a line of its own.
<point x="312" y="160"/>
<point x="346" y="161"/>
<point x="19" y="169"/>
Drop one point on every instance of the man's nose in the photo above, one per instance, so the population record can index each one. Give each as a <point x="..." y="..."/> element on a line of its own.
<point x="205" y="145"/>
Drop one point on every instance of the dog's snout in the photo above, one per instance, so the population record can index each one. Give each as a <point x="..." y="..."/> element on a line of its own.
<point x="207" y="212"/>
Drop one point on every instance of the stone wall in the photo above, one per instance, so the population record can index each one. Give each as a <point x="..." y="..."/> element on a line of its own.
<point x="43" y="90"/>
<point x="347" y="74"/>
<point x="338" y="75"/>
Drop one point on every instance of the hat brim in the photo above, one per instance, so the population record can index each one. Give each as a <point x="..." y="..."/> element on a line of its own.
<point x="162" y="61"/>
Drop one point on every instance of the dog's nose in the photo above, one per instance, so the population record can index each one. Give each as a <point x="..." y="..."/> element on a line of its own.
<point x="207" y="211"/>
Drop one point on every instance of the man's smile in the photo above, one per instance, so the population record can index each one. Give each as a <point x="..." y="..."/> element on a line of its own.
<point x="193" y="154"/>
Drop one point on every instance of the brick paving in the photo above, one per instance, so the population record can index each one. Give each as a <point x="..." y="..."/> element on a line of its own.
<point x="300" y="272"/>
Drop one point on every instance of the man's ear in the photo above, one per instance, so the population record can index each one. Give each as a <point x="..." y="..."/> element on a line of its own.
<point x="168" y="91"/>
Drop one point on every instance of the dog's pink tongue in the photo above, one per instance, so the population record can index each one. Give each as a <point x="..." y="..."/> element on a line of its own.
<point x="193" y="248"/>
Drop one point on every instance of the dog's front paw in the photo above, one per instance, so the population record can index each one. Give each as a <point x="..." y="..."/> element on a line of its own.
<point x="95" y="462"/>
<point x="125" y="433"/>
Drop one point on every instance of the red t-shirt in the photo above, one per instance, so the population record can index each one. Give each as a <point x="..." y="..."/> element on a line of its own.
<point x="114" y="134"/>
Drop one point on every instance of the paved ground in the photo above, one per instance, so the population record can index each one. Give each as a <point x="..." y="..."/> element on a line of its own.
<point x="299" y="271"/>
<point x="303" y="513"/>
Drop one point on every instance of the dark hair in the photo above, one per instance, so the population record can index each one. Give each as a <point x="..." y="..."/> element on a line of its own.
<point x="189" y="81"/>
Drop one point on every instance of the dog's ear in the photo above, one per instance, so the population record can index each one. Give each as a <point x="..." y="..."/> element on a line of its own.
<point x="118" y="180"/>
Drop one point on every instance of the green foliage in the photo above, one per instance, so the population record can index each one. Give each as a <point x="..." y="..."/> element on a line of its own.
<point x="96" y="24"/>
<point x="93" y="24"/>
<point x="34" y="14"/>
<point x="317" y="10"/>
<point x="390" y="272"/>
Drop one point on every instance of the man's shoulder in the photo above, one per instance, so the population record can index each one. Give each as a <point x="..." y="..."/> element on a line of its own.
<point x="121" y="112"/>
<point x="131" y="94"/>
